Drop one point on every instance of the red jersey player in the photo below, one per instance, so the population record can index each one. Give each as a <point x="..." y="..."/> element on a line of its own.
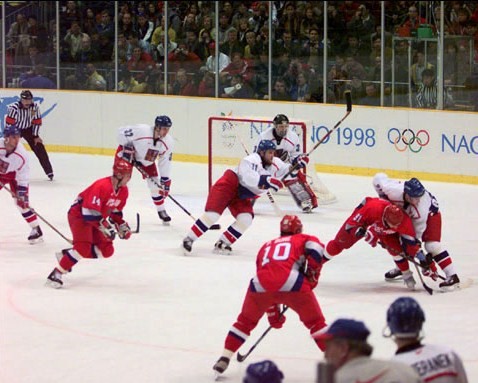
<point x="95" y="218"/>
<point x="379" y="221"/>
<point x="288" y="270"/>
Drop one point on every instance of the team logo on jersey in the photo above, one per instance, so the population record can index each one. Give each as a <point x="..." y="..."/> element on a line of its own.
<point x="408" y="139"/>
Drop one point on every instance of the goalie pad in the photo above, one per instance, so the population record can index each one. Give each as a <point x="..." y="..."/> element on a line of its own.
<point x="302" y="193"/>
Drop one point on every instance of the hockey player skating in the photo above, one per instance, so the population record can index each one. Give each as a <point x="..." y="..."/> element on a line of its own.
<point x="26" y="115"/>
<point x="379" y="222"/>
<point x="349" y="355"/>
<point x="15" y="173"/>
<point x="95" y="218"/>
<point x="142" y="145"/>
<point x="236" y="190"/>
<point x="287" y="271"/>
<point x="288" y="149"/>
<point x="423" y="209"/>
<point x="434" y="363"/>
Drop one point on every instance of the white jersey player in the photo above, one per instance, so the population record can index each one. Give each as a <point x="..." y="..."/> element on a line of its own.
<point x="423" y="209"/>
<point x="434" y="363"/>
<point x="15" y="172"/>
<point x="289" y="150"/>
<point x="235" y="190"/>
<point x="144" y="145"/>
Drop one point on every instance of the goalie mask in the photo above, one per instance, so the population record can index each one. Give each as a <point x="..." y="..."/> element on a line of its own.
<point x="281" y="125"/>
<point x="405" y="318"/>
<point x="290" y="225"/>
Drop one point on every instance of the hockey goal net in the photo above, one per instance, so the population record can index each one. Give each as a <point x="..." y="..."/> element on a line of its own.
<point x="231" y="138"/>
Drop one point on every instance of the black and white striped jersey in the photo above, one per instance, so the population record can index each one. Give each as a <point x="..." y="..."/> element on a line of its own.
<point x="25" y="117"/>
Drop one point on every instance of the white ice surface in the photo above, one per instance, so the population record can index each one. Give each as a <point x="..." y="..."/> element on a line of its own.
<point x="150" y="314"/>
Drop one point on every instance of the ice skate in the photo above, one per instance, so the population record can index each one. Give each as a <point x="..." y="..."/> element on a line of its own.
<point x="54" y="279"/>
<point x="307" y="206"/>
<point x="451" y="283"/>
<point x="35" y="236"/>
<point x="163" y="216"/>
<point x="221" y="365"/>
<point x="393" y="275"/>
<point x="50" y="176"/>
<point x="409" y="280"/>
<point x="221" y="247"/>
<point x="187" y="245"/>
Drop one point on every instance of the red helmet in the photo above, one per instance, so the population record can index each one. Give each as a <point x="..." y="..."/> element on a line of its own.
<point x="290" y="224"/>
<point x="392" y="215"/>
<point x="122" y="167"/>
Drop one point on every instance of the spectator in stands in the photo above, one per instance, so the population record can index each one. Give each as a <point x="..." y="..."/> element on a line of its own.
<point x="207" y="86"/>
<point x="410" y="25"/>
<point x="237" y="88"/>
<point x="260" y="15"/>
<point x="240" y="66"/>
<point x="74" y="39"/>
<point x="145" y="32"/>
<point x="290" y="21"/>
<point x="395" y="15"/>
<point x="139" y="61"/>
<point x="152" y="13"/>
<point x="354" y="68"/>
<point x="158" y="33"/>
<point x="89" y="22"/>
<point x="310" y="19"/>
<point x="242" y="29"/>
<point x="37" y="79"/>
<point x="313" y="50"/>
<point x="280" y="92"/>
<point x="252" y="47"/>
<point x="94" y="80"/>
<point x="127" y="82"/>
<point x="87" y="53"/>
<point x="372" y="97"/>
<point x="183" y="86"/>
<point x="34" y="57"/>
<point x="192" y="43"/>
<point x="418" y="67"/>
<point x="210" y="66"/>
<point x="17" y="36"/>
<point x="105" y="26"/>
<point x="127" y="26"/>
<point x="220" y="35"/>
<point x="181" y="57"/>
<point x="458" y="26"/>
<point x="287" y="44"/>
<point x="68" y="16"/>
<point x="242" y="12"/>
<point x="207" y="25"/>
<point x="203" y="44"/>
<point x="232" y="44"/>
<point x="362" y="23"/>
<point x="348" y="9"/>
<point x="38" y="34"/>
<point x="300" y="91"/>
<point x="357" y="48"/>
<point x="160" y="48"/>
<point x="356" y="87"/>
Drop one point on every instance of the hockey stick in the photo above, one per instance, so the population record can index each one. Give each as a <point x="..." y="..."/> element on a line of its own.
<point x="213" y="227"/>
<point x="348" y="99"/>
<point x="39" y="216"/>
<point x="242" y="358"/>
<point x="276" y="207"/>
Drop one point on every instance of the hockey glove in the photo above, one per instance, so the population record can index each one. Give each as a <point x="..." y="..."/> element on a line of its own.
<point x="107" y="228"/>
<point x="371" y="236"/>
<point x="269" y="182"/>
<point x="22" y="197"/>
<point x="166" y="184"/>
<point x="274" y="316"/>
<point x="128" y="153"/>
<point x="123" y="229"/>
<point x="429" y="268"/>
<point x="300" y="161"/>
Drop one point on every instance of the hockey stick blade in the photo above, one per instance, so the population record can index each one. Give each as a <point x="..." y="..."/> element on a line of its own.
<point x="242" y="357"/>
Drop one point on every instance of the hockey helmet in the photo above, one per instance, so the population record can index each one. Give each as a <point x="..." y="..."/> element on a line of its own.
<point x="392" y="215"/>
<point x="414" y="188"/>
<point x="266" y="145"/>
<point x="122" y="168"/>
<point x="263" y="372"/>
<point x="378" y="180"/>
<point x="290" y="224"/>
<point x="163" y="122"/>
<point x="26" y="95"/>
<point x="11" y="130"/>
<point x="405" y="318"/>
<point x="281" y="125"/>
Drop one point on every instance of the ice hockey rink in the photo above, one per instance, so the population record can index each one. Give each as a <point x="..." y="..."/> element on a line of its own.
<point x="150" y="314"/>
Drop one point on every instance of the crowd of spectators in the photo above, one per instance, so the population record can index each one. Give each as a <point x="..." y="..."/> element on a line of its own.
<point x="87" y="38"/>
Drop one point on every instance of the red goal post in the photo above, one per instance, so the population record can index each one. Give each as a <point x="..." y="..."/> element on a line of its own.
<point x="230" y="137"/>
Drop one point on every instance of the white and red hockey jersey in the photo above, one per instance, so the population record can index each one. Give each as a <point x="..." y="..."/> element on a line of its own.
<point x="393" y="191"/>
<point x="250" y="170"/>
<point x="289" y="144"/>
<point x="434" y="364"/>
<point x="147" y="149"/>
<point x="14" y="166"/>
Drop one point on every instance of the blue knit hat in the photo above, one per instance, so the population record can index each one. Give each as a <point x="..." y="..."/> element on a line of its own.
<point x="263" y="372"/>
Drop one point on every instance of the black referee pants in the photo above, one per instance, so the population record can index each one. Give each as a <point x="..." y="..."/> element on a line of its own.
<point x="39" y="150"/>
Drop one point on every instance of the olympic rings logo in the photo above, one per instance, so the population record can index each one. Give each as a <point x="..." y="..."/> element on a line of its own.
<point x="408" y="139"/>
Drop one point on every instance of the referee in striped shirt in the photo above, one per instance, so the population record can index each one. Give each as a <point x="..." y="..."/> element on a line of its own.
<point x="27" y="116"/>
